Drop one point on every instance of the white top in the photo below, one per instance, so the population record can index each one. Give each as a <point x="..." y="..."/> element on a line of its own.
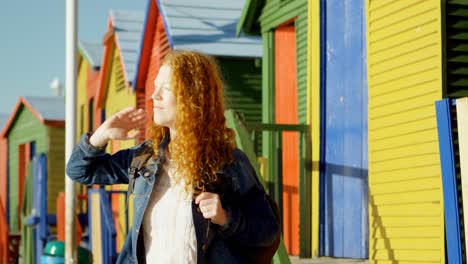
<point x="169" y="233"/>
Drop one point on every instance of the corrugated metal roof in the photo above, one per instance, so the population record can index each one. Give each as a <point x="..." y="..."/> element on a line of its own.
<point x="51" y="108"/>
<point x="92" y="52"/>
<point x="128" y="27"/>
<point x="208" y="26"/>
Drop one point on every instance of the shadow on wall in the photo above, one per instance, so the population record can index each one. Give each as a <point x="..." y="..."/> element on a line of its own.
<point x="330" y="172"/>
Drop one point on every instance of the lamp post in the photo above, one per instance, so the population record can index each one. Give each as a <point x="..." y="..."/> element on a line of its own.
<point x="70" y="106"/>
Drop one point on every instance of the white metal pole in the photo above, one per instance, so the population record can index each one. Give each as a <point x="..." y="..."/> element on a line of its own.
<point x="70" y="131"/>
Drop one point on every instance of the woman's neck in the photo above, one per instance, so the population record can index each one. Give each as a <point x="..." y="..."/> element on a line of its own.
<point x="172" y="132"/>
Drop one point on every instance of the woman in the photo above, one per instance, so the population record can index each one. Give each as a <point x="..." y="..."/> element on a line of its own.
<point x="197" y="199"/>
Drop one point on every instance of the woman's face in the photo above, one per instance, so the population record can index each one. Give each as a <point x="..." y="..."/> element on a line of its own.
<point x="164" y="101"/>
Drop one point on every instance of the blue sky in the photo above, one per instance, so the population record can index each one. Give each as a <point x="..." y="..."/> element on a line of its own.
<point x="32" y="42"/>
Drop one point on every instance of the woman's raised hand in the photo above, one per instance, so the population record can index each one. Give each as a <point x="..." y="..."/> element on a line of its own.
<point x="123" y="125"/>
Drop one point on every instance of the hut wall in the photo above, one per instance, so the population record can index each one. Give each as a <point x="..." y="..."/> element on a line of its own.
<point x="404" y="59"/>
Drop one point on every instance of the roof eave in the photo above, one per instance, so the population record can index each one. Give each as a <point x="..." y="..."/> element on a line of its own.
<point x="248" y="22"/>
<point x="106" y="41"/>
<point x="9" y="123"/>
<point x="144" y="35"/>
<point x="166" y="26"/>
<point x="86" y="56"/>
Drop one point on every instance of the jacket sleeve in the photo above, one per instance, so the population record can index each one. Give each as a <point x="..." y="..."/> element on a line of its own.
<point x="90" y="165"/>
<point x="251" y="220"/>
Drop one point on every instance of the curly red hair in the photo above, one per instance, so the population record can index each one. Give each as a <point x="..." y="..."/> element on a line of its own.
<point x="203" y="143"/>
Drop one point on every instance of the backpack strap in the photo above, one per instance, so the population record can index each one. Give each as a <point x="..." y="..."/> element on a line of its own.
<point x="139" y="160"/>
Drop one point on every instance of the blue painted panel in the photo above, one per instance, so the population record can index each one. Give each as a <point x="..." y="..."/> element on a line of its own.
<point x="343" y="172"/>
<point x="90" y="221"/>
<point x="107" y="221"/>
<point x="108" y="232"/>
<point x="449" y="183"/>
<point x="41" y="232"/>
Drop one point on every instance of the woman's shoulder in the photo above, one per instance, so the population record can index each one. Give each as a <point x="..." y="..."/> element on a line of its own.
<point x="145" y="144"/>
<point x="142" y="148"/>
<point x="239" y="158"/>
<point x="238" y="154"/>
<point x="242" y="172"/>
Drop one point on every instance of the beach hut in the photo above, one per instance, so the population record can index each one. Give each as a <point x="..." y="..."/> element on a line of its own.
<point x="114" y="92"/>
<point x="409" y="68"/>
<point x="35" y="126"/>
<point x="314" y="52"/>
<point x="89" y="64"/>
<point x="121" y="44"/>
<point x="283" y="26"/>
<point x="206" y="26"/>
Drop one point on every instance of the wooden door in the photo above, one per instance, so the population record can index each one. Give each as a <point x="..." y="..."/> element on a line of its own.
<point x="286" y="113"/>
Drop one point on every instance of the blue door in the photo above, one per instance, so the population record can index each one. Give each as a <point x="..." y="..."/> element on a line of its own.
<point x="343" y="172"/>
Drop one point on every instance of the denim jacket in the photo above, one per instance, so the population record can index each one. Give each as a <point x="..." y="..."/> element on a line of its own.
<point x="250" y="219"/>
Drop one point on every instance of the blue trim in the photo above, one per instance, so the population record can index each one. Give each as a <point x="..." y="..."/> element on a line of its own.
<point x="142" y="41"/>
<point x="449" y="183"/>
<point x="41" y="232"/>
<point x="90" y="221"/>
<point x="343" y="115"/>
<point x="323" y="85"/>
<point x="166" y="27"/>
<point x="108" y="233"/>
<point x="107" y="221"/>
<point x="365" y="141"/>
